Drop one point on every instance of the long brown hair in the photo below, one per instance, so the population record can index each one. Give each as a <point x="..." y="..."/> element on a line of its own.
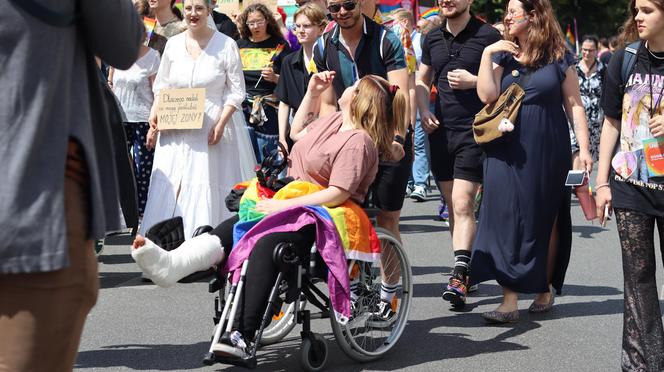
<point x="272" y="27"/>
<point x="546" y="42"/>
<point x="628" y="31"/>
<point x="378" y="108"/>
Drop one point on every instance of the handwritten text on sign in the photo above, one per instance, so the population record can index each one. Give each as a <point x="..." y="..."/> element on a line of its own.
<point x="181" y="108"/>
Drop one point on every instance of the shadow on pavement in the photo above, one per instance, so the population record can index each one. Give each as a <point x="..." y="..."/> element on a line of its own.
<point x="587" y="231"/>
<point x="145" y="357"/>
<point x="120" y="279"/>
<point x="115" y="259"/>
<point x="416" y="229"/>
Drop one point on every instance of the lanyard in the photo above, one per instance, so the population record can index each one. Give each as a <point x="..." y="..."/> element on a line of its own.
<point x="653" y="108"/>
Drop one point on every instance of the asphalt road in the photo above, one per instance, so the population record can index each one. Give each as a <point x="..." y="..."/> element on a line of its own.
<point x="137" y="326"/>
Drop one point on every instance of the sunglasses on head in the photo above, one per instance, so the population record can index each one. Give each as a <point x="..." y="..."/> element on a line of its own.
<point x="348" y="5"/>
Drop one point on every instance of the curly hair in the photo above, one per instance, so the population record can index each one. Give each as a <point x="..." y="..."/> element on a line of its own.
<point x="628" y="31"/>
<point x="272" y="27"/>
<point x="546" y="41"/>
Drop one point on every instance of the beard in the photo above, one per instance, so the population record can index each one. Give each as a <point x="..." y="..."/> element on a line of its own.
<point x="455" y="13"/>
<point x="349" y="22"/>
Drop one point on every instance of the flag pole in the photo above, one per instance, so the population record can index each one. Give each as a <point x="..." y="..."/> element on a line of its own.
<point x="576" y="38"/>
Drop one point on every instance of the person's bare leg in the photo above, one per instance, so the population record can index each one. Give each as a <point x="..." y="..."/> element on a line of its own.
<point x="389" y="220"/>
<point x="463" y="209"/>
<point x="510" y="301"/>
<point x="544" y="298"/>
<point x="446" y="189"/>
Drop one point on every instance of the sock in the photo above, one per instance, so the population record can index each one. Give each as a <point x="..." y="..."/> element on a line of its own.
<point x="387" y="292"/>
<point x="461" y="262"/>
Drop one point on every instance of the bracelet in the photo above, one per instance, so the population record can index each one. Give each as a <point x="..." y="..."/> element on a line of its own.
<point x="597" y="187"/>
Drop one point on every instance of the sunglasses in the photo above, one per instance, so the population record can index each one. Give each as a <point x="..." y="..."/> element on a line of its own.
<point x="348" y="5"/>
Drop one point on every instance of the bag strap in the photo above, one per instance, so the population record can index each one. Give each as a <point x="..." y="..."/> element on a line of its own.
<point x="45" y="14"/>
<point x="629" y="61"/>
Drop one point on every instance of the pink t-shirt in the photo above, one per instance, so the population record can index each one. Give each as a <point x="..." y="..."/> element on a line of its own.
<point x="327" y="157"/>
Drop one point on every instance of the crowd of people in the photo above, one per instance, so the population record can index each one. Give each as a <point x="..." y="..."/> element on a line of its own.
<point x="368" y="107"/>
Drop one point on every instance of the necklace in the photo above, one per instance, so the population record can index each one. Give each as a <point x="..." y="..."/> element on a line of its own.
<point x="653" y="54"/>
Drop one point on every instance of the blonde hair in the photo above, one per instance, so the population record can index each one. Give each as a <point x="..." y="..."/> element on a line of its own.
<point x="546" y="42"/>
<point x="378" y="108"/>
<point x="313" y="12"/>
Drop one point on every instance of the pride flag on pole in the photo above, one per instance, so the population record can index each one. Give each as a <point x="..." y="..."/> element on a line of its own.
<point x="150" y="24"/>
<point x="570" y="39"/>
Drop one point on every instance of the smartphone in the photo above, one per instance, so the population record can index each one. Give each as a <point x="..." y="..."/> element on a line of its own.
<point x="576" y="178"/>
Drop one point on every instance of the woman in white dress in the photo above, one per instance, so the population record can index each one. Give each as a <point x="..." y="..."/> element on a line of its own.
<point x="194" y="169"/>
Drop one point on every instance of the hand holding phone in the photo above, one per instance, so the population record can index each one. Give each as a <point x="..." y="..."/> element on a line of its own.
<point x="576" y="178"/>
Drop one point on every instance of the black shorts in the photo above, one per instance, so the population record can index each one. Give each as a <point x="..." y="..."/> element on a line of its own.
<point x="389" y="189"/>
<point x="455" y="155"/>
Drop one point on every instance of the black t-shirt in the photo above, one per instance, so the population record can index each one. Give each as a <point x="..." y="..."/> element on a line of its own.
<point x="255" y="56"/>
<point x="379" y="52"/>
<point x="445" y="52"/>
<point x="293" y="80"/>
<point x="637" y="181"/>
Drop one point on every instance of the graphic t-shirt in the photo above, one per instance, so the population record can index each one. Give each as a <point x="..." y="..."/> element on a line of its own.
<point x="637" y="181"/>
<point x="256" y="56"/>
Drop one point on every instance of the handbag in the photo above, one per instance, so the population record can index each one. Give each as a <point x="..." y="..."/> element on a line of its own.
<point x="498" y="118"/>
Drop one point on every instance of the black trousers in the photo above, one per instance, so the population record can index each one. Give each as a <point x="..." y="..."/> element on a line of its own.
<point x="643" y="333"/>
<point x="262" y="271"/>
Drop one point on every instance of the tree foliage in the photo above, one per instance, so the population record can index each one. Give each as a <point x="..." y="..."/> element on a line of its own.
<point x="601" y="17"/>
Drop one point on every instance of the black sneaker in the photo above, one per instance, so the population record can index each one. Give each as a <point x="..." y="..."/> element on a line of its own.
<point x="383" y="317"/>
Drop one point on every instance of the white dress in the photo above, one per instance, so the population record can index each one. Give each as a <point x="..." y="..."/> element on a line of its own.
<point x="183" y="160"/>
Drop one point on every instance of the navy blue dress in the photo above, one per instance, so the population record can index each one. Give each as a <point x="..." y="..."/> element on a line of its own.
<point x="524" y="187"/>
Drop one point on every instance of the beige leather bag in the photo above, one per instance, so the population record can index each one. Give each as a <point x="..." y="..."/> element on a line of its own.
<point x="487" y="121"/>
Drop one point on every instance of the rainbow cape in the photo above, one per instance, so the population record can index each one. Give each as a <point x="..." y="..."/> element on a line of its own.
<point x="351" y="222"/>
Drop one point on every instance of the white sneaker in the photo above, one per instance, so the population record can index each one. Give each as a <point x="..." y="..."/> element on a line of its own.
<point x="237" y="348"/>
<point x="419" y="193"/>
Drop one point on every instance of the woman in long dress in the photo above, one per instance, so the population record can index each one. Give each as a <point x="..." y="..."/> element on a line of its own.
<point x="524" y="234"/>
<point x="194" y="169"/>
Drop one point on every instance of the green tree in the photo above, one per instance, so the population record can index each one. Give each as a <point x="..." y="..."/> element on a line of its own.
<point x="601" y="17"/>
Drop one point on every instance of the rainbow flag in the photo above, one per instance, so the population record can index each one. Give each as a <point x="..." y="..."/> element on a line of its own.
<point x="387" y="6"/>
<point x="431" y="13"/>
<point x="570" y="39"/>
<point x="353" y="226"/>
<point x="150" y="24"/>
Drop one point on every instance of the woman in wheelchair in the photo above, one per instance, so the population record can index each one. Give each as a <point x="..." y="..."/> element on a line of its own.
<point x="339" y="152"/>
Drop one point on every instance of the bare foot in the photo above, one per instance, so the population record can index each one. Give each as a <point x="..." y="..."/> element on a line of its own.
<point x="543" y="298"/>
<point x="506" y="308"/>
<point x="139" y="241"/>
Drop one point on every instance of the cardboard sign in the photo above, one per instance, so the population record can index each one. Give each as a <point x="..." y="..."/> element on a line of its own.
<point x="229" y="7"/>
<point x="181" y="108"/>
<point x="270" y="4"/>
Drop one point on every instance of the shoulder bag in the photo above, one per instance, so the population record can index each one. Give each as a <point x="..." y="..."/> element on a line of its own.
<point x="497" y="118"/>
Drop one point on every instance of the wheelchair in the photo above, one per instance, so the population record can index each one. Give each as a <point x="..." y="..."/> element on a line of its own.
<point x="362" y="338"/>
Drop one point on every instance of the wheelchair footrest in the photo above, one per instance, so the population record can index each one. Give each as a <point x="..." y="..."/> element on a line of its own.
<point x="211" y="359"/>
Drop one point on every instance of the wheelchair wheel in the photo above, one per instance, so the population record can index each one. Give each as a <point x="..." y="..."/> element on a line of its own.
<point x="314" y="353"/>
<point x="282" y="324"/>
<point x="364" y="338"/>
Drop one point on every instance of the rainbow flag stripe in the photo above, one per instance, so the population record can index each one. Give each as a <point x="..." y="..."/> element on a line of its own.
<point x="432" y="12"/>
